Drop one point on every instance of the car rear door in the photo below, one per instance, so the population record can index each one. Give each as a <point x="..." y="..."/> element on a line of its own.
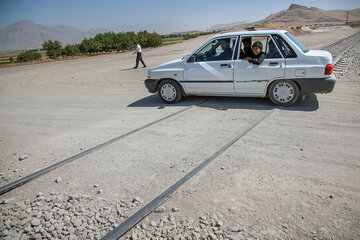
<point x="250" y="79"/>
<point x="211" y="70"/>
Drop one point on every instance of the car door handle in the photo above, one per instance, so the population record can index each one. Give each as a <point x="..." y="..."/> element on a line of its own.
<point x="273" y="64"/>
<point x="226" y="65"/>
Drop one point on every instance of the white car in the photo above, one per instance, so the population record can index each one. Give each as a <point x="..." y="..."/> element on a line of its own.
<point x="218" y="68"/>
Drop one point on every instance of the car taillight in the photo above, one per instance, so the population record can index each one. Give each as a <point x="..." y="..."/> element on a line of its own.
<point x="329" y="69"/>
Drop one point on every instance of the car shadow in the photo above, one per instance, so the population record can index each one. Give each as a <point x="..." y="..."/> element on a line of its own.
<point x="224" y="103"/>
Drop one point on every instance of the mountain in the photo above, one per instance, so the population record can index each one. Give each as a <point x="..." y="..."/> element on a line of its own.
<point x="299" y="15"/>
<point x="24" y="35"/>
<point x="228" y="25"/>
<point x="160" y="27"/>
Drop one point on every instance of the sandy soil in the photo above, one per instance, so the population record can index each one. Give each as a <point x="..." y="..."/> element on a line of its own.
<point x="299" y="168"/>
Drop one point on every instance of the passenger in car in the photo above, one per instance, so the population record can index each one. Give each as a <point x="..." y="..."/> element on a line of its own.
<point x="247" y="51"/>
<point x="258" y="55"/>
<point x="273" y="52"/>
<point x="227" y="51"/>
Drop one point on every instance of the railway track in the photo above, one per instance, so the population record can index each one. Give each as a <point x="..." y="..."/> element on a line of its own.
<point x="338" y="50"/>
<point x="17" y="183"/>
<point x="340" y="66"/>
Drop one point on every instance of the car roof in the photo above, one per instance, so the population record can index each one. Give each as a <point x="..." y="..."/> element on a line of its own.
<point x="251" y="32"/>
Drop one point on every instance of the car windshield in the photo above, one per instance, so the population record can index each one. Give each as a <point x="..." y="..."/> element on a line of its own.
<point x="299" y="44"/>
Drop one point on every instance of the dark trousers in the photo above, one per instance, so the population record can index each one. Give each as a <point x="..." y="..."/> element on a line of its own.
<point x="139" y="58"/>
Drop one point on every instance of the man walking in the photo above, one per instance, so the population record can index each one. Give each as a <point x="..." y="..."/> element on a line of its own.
<point x="138" y="55"/>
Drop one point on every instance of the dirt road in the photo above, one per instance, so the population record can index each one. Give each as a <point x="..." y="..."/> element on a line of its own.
<point x="296" y="175"/>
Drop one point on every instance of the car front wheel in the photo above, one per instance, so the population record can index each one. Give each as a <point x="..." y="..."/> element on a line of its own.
<point x="284" y="92"/>
<point x="169" y="91"/>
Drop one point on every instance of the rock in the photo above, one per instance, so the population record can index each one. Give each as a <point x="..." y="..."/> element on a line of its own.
<point x="96" y="185"/>
<point x="153" y="223"/>
<point x="222" y="168"/>
<point x="8" y="200"/>
<point x="136" y="200"/>
<point x="235" y="229"/>
<point x="202" y="217"/>
<point x="233" y="209"/>
<point x="175" y="209"/>
<point x="134" y="236"/>
<point x="23" y="157"/>
<point x="100" y="191"/>
<point x="58" y="180"/>
<point x="170" y="218"/>
<point x="40" y="194"/>
<point x="212" y="236"/>
<point x="35" y="222"/>
<point x="160" y="209"/>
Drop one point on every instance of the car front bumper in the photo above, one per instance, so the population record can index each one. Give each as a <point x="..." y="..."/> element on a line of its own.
<point x="151" y="85"/>
<point x="317" y="85"/>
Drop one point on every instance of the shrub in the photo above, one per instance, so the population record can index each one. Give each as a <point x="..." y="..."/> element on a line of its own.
<point x="28" y="56"/>
<point x="53" y="49"/>
<point x="154" y="40"/>
<point x="72" y="50"/>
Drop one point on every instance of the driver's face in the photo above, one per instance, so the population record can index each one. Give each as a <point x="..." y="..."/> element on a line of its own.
<point x="224" y="44"/>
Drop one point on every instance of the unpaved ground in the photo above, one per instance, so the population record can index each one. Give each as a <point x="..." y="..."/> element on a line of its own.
<point x="296" y="174"/>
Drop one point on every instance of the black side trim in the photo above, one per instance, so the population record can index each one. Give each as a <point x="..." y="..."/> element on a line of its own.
<point x="151" y="84"/>
<point x="206" y="81"/>
<point x="316" y="85"/>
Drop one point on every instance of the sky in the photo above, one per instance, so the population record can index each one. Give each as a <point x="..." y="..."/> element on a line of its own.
<point x="161" y="15"/>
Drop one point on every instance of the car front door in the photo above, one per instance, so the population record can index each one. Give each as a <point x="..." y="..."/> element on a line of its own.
<point x="250" y="79"/>
<point x="211" y="70"/>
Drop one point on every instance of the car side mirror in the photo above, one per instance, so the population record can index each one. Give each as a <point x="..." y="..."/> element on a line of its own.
<point x="192" y="58"/>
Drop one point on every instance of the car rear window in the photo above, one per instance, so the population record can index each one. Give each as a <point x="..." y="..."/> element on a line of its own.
<point x="299" y="44"/>
<point x="285" y="48"/>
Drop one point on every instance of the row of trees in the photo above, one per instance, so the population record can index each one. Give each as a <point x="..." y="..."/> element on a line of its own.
<point x="27" y="56"/>
<point x="103" y="42"/>
<point x="188" y="35"/>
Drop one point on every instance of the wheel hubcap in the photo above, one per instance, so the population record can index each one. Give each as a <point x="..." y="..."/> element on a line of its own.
<point x="283" y="92"/>
<point x="168" y="92"/>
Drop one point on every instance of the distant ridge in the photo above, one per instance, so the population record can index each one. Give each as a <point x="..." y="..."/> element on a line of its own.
<point x="25" y="35"/>
<point x="299" y="15"/>
<point x="228" y="25"/>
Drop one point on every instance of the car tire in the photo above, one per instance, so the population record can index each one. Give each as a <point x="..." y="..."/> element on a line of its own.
<point x="169" y="91"/>
<point x="284" y="92"/>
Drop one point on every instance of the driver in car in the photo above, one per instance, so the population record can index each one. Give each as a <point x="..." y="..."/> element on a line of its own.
<point x="227" y="52"/>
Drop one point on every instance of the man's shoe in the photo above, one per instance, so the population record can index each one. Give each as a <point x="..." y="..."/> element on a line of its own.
<point x="144" y="66"/>
<point x="134" y="67"/>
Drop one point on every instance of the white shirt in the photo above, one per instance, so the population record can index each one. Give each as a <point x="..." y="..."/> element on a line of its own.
<point x="138" y="48"/>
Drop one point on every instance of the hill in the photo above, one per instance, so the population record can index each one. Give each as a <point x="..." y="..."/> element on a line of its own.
<point x="298" y="14"/>
<point x="29" y="35"/>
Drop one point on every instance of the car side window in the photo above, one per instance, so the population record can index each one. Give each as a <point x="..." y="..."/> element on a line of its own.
<point x="217" y="50"/>
<point x="286" y="50"/>
<point x="247" y="42"/>
<point x="271" y="50"/>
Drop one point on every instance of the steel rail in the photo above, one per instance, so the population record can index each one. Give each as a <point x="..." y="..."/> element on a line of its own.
<point x="130" y="222"/>
<point x="17" y="183"/>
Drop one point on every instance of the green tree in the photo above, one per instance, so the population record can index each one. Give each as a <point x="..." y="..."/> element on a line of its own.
<point x="154" y="40"/>
<point x="72" y="50"/>
<point x="28" y="56"/>
<point x="53" y="49"/>
<point x="90" y="46"/>
<point x="142" y="38"/>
